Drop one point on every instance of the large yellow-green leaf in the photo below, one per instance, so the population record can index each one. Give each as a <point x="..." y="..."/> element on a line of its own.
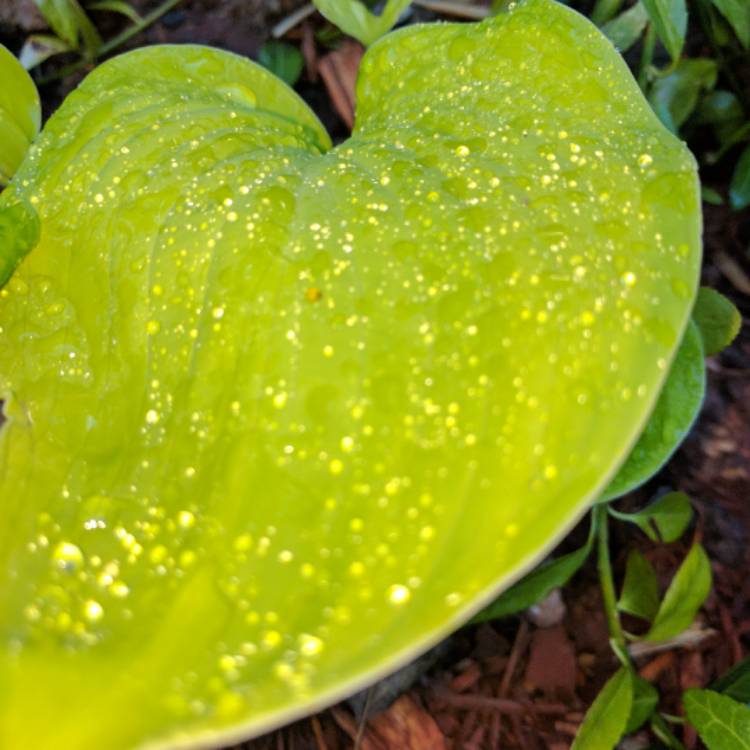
<point x="282" y="415"/>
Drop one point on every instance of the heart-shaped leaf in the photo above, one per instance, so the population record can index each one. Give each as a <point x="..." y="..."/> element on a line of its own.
<point x="281" y="416"/>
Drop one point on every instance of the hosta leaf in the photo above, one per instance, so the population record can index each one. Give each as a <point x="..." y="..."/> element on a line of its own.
<point x="717" y="318"/>
<point x="677" y="408"/>
<point x="722" y="723"/>
<point x="20" y="114"/>
<point x="685" y="595"/>
<point x="281" y="415"/>
<point x="607" y="718"/>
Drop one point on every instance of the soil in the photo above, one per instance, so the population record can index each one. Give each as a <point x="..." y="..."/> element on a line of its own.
<point x="522" y="683"/>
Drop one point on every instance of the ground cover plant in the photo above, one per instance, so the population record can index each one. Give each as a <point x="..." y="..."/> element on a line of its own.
<point x="356" y="425"/>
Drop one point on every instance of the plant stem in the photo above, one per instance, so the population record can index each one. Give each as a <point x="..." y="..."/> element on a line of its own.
<point x="606" y="580"/>
<point x="647" y="55"/>
<point x="136" y="28"/>
<point x="604" y="10"/>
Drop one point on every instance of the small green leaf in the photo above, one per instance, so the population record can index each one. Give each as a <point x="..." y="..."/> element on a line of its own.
<point x="640" y="590"/>
<point x="664" y="520"/>
<point x="118" y="6"/>
<point x="534" y="587"/>
<point x="723" y="112"/>
<point x="712" y="196"/>
<point x="677" y="408"/>
<point x="675" y="96"/>
<point x="625" y="30"/>
<point x="69" y="21"/>
<point x="40" y="47"/>
<point x="736" y="682"/>
<point x="717" y="318"/>
<point x="285" y="60"/>
<point x="606" y="720"/>
<point x="645" y="700"/>
<point x="670" y="21"/>
<point x="737" y="14"/>
<point x="739" y="188"/>
<point x="685" y="596"/>
<point x="20" y="114"/>
<point x="354" y="18"/>
<point x="722" y="723"/>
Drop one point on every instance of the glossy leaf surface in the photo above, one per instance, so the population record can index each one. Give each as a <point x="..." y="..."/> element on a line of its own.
<point x="281" y="416"/>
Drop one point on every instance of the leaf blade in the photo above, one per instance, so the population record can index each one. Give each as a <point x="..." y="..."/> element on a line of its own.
<point x="685" y="595"/>
<point x="722" y="723"/>
<point x="605" y="722"/>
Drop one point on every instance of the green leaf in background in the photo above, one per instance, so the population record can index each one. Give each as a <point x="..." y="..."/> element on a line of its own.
<point x="69" y="21"/>
<point x="640" y="590"/>
<point x="354" y="18"/>
<point x="675" y="96"/>
<point x="284" y="60"/>
<point x="645" y="700"/>
<point x="709" y="195"/>
<point x="685" y="596"/>
<point x="625" y="30"/>
<point x="534" y="587"/>
<point x="722" y="723"/>
<point x="281" y="416"/>
<point x="723" y="112"/>
<point x="20" y="114"/>
<point x="717" y="318"/>
<point x="670" y="21"/>
<point x="118" y="6"/>
<point x="739" y="188"/>
<point x="737" y="14"/>
<point x="664" y="520"/>
<point x="606" y="720"/>
<point x="677" y="408"/>
<point x="40" y="47"/>
<point x="736" y="682"/>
